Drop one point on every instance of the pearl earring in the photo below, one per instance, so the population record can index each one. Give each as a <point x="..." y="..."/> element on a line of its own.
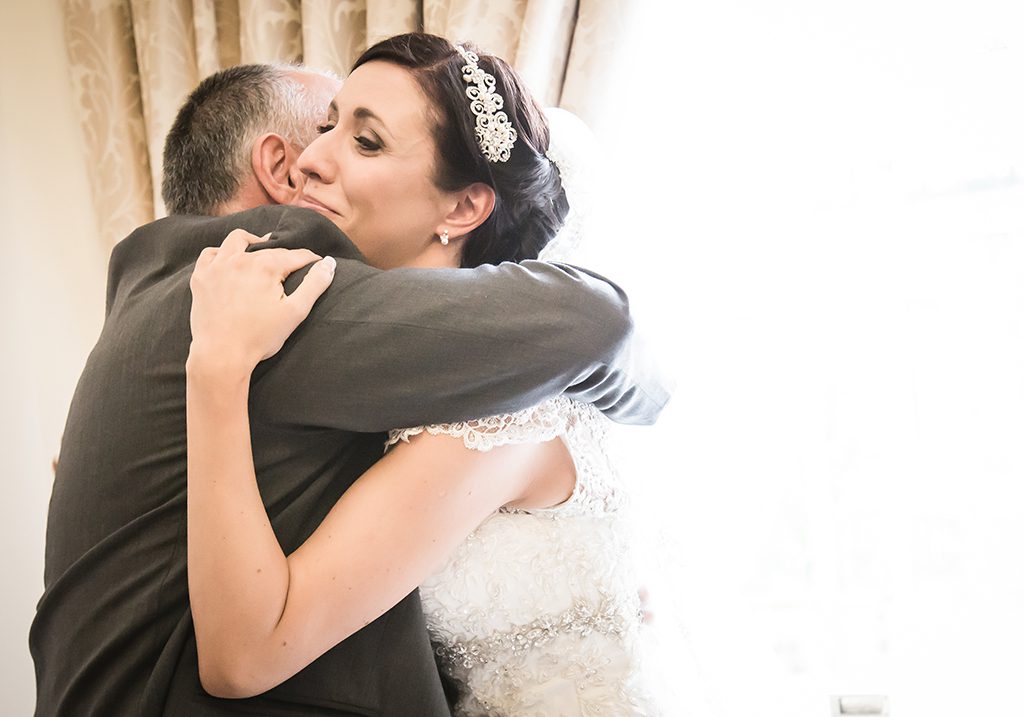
<point x="444" y="238"/>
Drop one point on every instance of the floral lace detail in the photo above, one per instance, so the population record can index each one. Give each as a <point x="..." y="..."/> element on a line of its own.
<point x="584" y="430"/>
<point x="540" y="423"/>
<point x="536" y="613"/>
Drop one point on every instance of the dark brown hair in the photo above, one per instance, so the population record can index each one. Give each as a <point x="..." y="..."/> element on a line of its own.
<point x="530" y="204"/>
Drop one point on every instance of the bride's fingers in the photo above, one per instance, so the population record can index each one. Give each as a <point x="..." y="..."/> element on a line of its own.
<point x="314" y="283"/>
<point x="206" y="256"/>
<point x="283" y="262"/>
<point x="238" y="240"/>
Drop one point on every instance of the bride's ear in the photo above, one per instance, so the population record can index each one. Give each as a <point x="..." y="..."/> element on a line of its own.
<point x="475" y="204"/>
<point x="273" y="160"/>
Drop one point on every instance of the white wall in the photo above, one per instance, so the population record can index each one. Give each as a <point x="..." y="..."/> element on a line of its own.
<point x="52" y="275"/>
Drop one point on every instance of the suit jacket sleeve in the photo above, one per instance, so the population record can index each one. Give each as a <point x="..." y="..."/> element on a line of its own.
<point x="406" y="347"/>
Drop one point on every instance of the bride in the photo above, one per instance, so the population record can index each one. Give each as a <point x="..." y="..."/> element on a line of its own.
<point x="433" y="155"/>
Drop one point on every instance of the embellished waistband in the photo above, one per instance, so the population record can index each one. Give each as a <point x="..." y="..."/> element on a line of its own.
<point x="609" y="617"/>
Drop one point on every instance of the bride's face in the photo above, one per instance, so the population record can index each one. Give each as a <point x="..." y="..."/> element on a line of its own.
<point x="371" y="170"/>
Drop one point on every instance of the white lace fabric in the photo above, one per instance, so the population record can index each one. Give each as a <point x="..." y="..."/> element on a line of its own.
<point x="537" y="612"/>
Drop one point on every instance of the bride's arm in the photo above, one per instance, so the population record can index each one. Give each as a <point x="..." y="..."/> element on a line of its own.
<point x="261" y="616"/>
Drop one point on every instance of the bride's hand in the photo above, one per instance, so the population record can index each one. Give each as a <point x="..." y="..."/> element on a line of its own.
<point x="240" y="313"/>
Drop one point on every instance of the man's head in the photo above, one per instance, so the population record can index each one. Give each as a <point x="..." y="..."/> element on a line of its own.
<point x="235" y="140"/>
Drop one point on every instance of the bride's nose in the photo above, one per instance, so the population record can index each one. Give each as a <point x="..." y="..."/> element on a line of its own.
<point x="317" y="161"/>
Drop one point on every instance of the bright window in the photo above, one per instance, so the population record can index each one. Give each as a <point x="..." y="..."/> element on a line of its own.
<point x="818" y="208"/>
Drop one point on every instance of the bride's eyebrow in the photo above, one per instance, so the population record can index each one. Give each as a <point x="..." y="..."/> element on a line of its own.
<point x="366" y="114"/>
<point x="362" y="113"/>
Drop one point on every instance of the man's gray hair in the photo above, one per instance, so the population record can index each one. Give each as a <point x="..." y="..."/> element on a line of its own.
<point x="208" y="151"/>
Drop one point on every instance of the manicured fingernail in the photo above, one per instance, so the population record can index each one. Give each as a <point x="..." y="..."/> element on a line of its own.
<point x="266" y="236"/>
<point x="330" y="263"/>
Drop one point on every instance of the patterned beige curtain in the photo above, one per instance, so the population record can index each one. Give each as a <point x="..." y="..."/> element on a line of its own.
<point x="134" y="61"/>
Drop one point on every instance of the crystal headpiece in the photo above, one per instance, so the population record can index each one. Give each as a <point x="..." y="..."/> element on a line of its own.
<point x="494" y="131"/>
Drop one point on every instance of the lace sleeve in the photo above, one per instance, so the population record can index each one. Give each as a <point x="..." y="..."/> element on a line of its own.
<point x="540" y="423"/>
<point x="581" y="426"/>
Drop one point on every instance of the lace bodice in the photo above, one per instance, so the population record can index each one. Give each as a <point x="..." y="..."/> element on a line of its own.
<point x="537" y="612"/>
<point x="580" y="425"/>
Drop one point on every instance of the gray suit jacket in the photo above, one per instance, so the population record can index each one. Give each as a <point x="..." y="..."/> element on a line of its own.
<point x="113" y="632"/>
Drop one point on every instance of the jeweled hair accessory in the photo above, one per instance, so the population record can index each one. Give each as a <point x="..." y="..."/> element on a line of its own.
<point x="494" y="131"/>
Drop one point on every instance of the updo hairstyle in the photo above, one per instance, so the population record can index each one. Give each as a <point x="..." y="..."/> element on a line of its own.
<point x="530" y="204"/>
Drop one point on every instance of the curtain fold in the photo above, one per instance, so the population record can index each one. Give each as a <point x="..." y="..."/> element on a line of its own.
<point x="134" y="61"/>
<point x="105" y="85"/>
<point x="165" y="53"/>
<point x="384" y="19"/>
<point x="228" y="38"/>
<point x="543" y="50"/>
<point x="592" y="56"/>
<point x="494" y="26"/>
<point x="271" y="30"/>
<point x="333" y="33"/>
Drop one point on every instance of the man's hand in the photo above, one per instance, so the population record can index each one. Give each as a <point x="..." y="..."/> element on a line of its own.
<point x="240" y="313"/>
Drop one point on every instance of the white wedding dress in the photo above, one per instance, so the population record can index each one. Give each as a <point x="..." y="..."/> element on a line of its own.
<point x="537" y="613"/>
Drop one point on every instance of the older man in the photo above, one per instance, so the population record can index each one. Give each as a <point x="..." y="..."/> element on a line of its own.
<point x="113" y="633"/>
<point x="234" y="142"/>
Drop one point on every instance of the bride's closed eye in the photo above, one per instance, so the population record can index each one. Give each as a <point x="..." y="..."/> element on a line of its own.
<point x="324" y="128"/>
<point x="367" y="144"/>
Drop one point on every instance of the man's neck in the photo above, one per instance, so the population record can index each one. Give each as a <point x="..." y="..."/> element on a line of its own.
<point x="249" y="196"/>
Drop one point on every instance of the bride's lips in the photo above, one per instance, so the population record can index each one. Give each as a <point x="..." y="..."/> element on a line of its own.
<point x="309" y="202"/>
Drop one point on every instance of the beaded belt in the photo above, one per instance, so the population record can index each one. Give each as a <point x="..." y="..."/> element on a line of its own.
<point x="610" y="618"/>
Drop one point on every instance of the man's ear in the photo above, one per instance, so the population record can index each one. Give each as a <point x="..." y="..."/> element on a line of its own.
<point x="273" y="161"/>
<point x="474" y="206"/>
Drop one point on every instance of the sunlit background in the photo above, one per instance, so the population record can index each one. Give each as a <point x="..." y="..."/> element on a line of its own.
<point x="817" y="210"/>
